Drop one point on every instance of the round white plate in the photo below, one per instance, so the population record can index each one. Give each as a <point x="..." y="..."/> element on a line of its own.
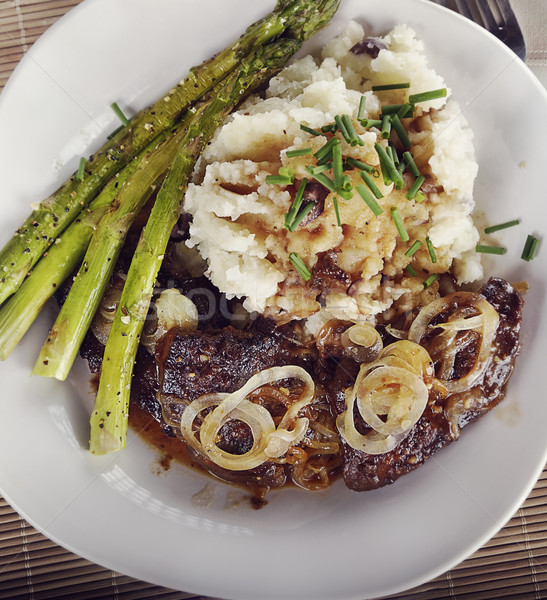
<point x="115" y="510"/>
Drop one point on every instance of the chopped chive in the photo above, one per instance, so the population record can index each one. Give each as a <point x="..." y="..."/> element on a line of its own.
<point x="346" y="184"/>
<point x="386" y="127"/>
<point x="389" y="170"/>
<point x="367" y="123"/>
<point x="431" y="250"/>
<point x="530" y="248"/>
<point x="298" y="152"/>
<point x="337" y="165"/>
<point x="336" y="211"/>
<point x="310" y="130"/>
<point x="345" y="194"/>
<point x="301" y="216"/>
<point x="372" y="186"/>
<point x="411" y="194"/>
<point x="330" y="128"/>
<point x="396" y="215"/>
<point x="410" y="270"/>
<point x="430" y="280"/>
<point x="369" y="199"/>
<point x="409" y="160"/>
<point x="278" y="180"/>
<point x="324" y="153"/>
<point x="322" y="179"/>
<point x="353" y="162"/>
<point x="391" y="86"/>
<point x="392" y="109"/>
<point x="117" y="130"/>
<point x="295" y="206"/>
<point x="361" y="111"/>
<point x="501" y="226"/>
<point x="406" y="110"/>
<point x="355" y="140"/>
<point x="300" y="266"/>
<point x="119" y="113"/>
<point x="81" y="168"/>
<point x="490" y="249"/>
<point x="426" y="96"/>
<point x="393" y="153"/>
<point x="420" y="197"/>
<point x="400" y="131"/>
<point x="413" y="249"/>
<point x="342" y="128"/>
<point x="321" y="168"/>
<point x="286" y="172"/>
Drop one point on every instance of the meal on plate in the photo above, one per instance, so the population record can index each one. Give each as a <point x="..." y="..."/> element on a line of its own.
<point x="278" y="264"/>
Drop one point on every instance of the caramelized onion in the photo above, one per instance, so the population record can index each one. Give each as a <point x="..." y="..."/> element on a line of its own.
<point x="269" y="441"/>
<point x="361" y="342"/>
<point x="391" y="395"/>
<point x="453" y="336"/>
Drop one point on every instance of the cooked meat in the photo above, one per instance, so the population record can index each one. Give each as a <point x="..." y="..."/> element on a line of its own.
<point x="444" y="415"/>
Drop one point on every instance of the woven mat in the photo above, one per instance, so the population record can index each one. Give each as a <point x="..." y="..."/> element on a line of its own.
<point x="512" y="565"/>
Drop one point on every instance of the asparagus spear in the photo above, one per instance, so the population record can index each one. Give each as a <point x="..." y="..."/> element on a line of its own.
<point x="64" y="340"/>
<point x="109" y="417"/>
<point x="20" y="310"/>
<point x="55" y="213"/>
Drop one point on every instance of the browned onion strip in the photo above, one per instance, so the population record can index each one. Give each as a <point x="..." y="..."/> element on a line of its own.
<point x="487" y="327"/>
<point x="268" y="441"/>
<point x="392" y="387"/>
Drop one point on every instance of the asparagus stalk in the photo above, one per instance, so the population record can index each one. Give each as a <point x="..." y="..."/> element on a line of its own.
<point x="20" y="310"/>
<point x="55" y="213"/>
<point x="110" y="415"/>
<point x="63" y="342"/>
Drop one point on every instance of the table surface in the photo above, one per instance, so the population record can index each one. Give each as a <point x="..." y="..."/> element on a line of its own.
<point x="513" y="564"/>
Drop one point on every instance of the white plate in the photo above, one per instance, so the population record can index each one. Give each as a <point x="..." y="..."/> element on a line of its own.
<point x="115" y="510"/>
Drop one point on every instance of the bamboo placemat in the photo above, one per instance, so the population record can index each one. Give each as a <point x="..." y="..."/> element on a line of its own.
<point x="511" y="565"/>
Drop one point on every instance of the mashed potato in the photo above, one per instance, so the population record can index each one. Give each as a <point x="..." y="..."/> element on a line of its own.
<point x="358" y="267"/>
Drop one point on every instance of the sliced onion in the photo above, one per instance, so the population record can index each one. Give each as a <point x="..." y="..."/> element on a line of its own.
<point x="361" y="342"/>
<point x="392" y="387"/>
<point x="421" y="327"/>
<point x="268" y="441"/>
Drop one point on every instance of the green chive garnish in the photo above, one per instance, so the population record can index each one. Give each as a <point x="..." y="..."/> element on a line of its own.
<point x="501" y="226"/>
<point x="331" y="128"/>
<point x="431" y="250"/>
<point x="295" y="206"/>
<point x="530" y="248"/>
<point x="400" y="131"/>
<point x="373" y="187"/>
<point x="409" y="160"/>
<point x="300" y="266"/>
<point x="336" y="211"/>
<point x="301" y="216"/>
<point x="430" y="280"/>
<point x="386" y="127"/>
<point x="396" y="215"/>
<point x="483" y="249"/>
<point x="405" y="110"/>
<point x="354" y="139"/>
<point x="415" y="187"/>
<point x="410" y="270"/>
<point x="299" y="152"/>
<point x="389" y="170"/>
<point x="413" y="249"/>
<point x="81" y="168"/>
<point x="367" y="123"/>
<point x="278" y="180"/>
<point x="392" y="109"/>
<point x="310" y="130"/>
<point x="322" y="179"/>
<point x="324" y="154"/>
<point x="369" y="199"/>
<point x="426" y="96"/>
<point x="119" y="113"/>
<point x="420" y="197"/>
<point x="361" y="111"/>
<point x="321" y="168"/>
<point x="337" y="165"/>
<point x="353" y="162"/>
<point x="391" y="86"/>
<point x="342" y="127"/>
